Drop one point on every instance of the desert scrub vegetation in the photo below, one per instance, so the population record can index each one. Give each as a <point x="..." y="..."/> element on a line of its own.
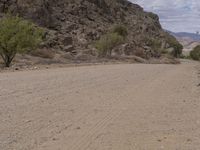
<point x="110" y="40"/>
<point x="177" y="47"/>
<point x="195" y="53"/>
<point x="121" y="30"/>
<point x="17" y="36"/>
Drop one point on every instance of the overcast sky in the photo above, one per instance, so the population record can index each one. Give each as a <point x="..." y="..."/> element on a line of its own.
<point x="175" y="15"/>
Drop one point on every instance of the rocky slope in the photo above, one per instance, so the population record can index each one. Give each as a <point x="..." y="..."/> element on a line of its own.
<point x="73" y="25"/>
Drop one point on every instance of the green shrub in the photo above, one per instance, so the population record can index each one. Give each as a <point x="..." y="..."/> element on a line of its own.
<point x="121" y="30"/>
<point x="110" y="40"/>
<point x="17" y="36"/>
<point x="195" y="53"/>
<point x="178" y="48"/>
<point x="153" y="16"/>
<point x="107" y="42"/>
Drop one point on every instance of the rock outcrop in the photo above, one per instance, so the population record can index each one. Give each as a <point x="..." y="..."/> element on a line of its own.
<point x="73" y="25"/>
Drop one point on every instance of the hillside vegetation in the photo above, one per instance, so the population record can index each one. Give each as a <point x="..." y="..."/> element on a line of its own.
<point x="72" y="27"/>
<point x="17" y="36"/>
<point x="195" y="53"/>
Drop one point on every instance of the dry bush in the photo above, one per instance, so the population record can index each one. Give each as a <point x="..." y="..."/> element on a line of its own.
<point x="107" y="43"/>
<point x="110" y="40"/>
<point x="120" y="30"/>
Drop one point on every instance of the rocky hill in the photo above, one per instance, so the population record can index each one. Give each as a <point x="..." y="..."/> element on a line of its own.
<point x="73" y="25"/>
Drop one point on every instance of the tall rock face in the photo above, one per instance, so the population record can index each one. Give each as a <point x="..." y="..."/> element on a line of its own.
<point x="73" y="25"/>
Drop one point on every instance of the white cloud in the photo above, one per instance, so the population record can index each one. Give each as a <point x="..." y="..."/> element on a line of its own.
<point x="175" y="15"/>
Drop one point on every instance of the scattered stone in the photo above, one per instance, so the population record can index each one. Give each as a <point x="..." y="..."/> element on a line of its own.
<point x="83" y="57"/>
<point x="162" y="147"/>
<point x="67" y="41"/>
<point x="78" y="128"/>
<point x="54" y="139"/>
<point x="189" y="140"/>
<point x="28" y="121"/>
<point x="159" y="140"/>
<point x="68" y="56"/>
<point x="68" y="48"/>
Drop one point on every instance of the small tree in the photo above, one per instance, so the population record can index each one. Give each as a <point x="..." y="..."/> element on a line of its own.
<point x="178" y="48"/>
<point x="17" y="36"/>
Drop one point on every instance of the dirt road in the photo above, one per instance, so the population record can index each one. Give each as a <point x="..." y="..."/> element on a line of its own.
<point x="108" y="107"/>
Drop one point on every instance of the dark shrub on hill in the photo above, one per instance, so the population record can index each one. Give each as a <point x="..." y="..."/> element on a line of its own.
<point x="195" y="53"/>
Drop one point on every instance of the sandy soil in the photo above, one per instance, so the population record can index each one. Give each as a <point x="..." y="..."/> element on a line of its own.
<point x="105" y="107"/>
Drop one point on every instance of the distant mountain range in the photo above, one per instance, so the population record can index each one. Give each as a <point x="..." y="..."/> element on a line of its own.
<point x="186" y="35"/>
<point x="188" y="40"/>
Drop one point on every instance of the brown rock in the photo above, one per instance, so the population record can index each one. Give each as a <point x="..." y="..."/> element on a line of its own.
<point x="68" y="40"/>
<point x="68" y="48"/>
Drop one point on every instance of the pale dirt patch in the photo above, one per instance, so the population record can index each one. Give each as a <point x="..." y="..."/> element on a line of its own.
<point x="104" y="107"/>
